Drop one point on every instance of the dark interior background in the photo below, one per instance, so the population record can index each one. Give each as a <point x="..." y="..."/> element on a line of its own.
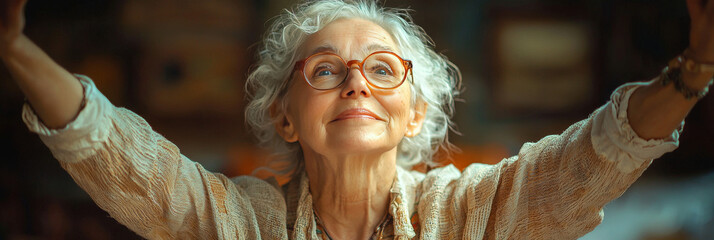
<point x="182" y="66"/>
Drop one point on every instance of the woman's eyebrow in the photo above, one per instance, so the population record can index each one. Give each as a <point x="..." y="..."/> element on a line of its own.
<point x="324" y="48"/>
<point x="367" y="50"/>
<point x="378" y="47"/>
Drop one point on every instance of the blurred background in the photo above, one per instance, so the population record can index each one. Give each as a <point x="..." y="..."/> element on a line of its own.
<point x="531" y="68"/>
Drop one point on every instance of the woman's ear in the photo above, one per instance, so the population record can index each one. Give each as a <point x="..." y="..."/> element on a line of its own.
<point x="417" y="120"/>
<point x="283" y="124"/>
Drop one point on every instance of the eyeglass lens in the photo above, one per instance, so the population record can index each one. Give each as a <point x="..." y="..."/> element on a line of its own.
<point x="327" y="71"/>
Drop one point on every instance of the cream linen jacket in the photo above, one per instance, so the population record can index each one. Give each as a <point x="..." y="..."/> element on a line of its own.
<point x="553" y="189"/>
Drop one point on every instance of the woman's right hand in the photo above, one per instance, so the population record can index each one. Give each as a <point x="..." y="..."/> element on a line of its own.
<point x="54" y="93"/>
<point x="12" y="22"/>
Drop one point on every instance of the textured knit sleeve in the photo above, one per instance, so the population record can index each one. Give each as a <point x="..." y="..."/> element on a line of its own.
<point x="553" y="189"/>
<point x="556" y="188"/>
<point x="145" y="183"/>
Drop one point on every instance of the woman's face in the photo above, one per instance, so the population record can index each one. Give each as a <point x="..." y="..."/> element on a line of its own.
<point x="353" y="118"/>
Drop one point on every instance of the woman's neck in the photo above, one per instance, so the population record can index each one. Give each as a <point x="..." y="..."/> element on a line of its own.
<point x="351" y="193"/>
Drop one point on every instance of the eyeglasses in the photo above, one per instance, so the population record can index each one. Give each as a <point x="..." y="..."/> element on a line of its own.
<point x="382" y="69"/>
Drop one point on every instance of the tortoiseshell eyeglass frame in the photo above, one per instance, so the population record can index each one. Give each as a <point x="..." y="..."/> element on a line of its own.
<point x="407" y="64"/>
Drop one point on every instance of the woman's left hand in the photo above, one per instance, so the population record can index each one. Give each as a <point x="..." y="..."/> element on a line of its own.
<point x="701" y="35"/>
<point x="655" y="111"/>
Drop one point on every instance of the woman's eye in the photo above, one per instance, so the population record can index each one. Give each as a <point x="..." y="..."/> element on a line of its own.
<point x="322" y="71"/>
<point x="382" y="71"/>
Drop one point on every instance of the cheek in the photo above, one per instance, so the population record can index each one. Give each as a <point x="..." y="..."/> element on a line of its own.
<point x="311" y="112"/>
<point x="308" y="111"/>
<point x="399" y="107"/>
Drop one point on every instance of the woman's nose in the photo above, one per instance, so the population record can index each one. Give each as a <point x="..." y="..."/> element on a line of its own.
<point x="355" y="84"/>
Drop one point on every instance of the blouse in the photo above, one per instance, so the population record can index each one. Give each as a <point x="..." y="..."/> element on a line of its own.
<point x="552" y="189"/>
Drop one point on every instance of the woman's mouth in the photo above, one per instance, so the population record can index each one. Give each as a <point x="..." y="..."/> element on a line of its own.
<point x="357" y="113"/>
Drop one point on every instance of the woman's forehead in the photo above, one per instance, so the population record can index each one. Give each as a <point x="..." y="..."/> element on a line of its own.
<point x="349" y="36"/>
<point x="364" y="49"/>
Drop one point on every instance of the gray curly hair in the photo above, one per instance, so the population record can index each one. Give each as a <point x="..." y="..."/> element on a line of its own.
<point x="436" y="80"/>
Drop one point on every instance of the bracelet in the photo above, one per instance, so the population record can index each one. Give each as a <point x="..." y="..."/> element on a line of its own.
<point x="692" y="65"/>
<point x="673" y="73"/>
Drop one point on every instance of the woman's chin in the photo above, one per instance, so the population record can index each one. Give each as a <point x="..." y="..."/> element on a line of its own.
<point x="363" y="142"/>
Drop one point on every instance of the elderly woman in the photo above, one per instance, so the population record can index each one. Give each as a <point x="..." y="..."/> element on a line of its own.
<point x="350" y="95"/>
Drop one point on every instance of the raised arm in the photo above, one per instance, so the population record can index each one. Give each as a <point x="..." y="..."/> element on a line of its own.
<point x="54" y="93"/>
<point x="564" y="181"/>
<point x="557" y="187"/>
<point x="656" y="110"/>
<point x="139" y="177"/>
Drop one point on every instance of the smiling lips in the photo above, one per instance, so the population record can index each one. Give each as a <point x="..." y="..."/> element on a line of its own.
<point x="356" y="113"/>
